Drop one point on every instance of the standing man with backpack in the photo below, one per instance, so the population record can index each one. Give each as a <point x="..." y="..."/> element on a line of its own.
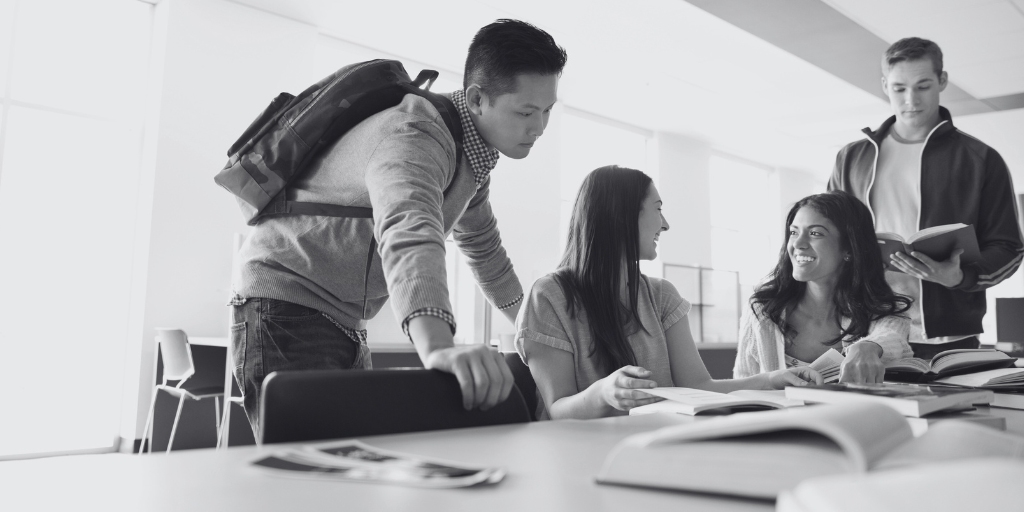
<point x="306" y="284"/>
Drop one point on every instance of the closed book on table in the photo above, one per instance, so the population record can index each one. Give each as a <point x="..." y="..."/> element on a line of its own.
<point x="907" y="399"/>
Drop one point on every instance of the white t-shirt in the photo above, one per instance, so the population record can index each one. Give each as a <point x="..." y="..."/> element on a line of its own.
<point x="895" y="198"/>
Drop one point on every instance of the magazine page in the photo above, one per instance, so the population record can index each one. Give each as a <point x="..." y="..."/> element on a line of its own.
<point x="353" y="460"/>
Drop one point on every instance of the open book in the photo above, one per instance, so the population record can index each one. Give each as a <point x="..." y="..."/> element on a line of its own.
<point x="695" y="401"/>
<point x="947" y="363"/>
<point x="981" y="485"/>
<point x="938" y="242"/>
<point x="906" y="399"/>
<point x="759" y="455"/>
<point x="1007" y="379"/>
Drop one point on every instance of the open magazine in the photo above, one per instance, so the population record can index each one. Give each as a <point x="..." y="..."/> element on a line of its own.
<point x="759" y="455"/>
<point x="356" y="461"/>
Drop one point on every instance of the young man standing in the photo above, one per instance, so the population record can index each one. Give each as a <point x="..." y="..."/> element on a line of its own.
<point x="306" y="285"/>
<point x="917" y="171"/>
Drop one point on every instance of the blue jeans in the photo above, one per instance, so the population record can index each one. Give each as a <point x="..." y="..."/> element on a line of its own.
<point x="268" y="335"/>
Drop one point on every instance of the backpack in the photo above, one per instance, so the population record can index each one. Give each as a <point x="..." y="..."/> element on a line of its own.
<point x="276" y="148"/>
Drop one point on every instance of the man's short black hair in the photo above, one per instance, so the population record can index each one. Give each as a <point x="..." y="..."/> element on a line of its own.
<point x="912" y="48"/>
<point x="508" y="48"/>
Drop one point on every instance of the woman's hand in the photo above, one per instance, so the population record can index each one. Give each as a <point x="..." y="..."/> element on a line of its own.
<point x="863" y="364"/>
<point x="796" y="376"/>
<point x="621" y="389"/>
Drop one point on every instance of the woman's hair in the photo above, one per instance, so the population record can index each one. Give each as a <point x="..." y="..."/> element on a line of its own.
<point x="604" y="233"/>
<point x="861" y="293"/>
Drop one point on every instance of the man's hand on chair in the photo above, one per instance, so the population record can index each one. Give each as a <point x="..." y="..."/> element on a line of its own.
<point x="482" y="373"/>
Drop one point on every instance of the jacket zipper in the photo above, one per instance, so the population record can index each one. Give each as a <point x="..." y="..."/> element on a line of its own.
<point x="920" y="202"/>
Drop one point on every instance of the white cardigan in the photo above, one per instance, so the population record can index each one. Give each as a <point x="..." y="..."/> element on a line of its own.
<point x="762" y="347"/>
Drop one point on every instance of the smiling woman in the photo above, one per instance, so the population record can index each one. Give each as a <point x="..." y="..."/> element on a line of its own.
<point x="827" y="289"/>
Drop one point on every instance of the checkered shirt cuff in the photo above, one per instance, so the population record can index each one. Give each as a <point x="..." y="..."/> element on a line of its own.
<point x="438" y="312"/>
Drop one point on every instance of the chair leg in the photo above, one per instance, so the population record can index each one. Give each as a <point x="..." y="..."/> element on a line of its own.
<point x="225" y="425"/>
<point x="177" y="415"/>
<point x="216" y="411"/>
<point x="149" y="423"/>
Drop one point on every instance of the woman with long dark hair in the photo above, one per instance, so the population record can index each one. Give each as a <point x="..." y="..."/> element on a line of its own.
<point x="596" y="331"/>
<point x="827" y="290"/>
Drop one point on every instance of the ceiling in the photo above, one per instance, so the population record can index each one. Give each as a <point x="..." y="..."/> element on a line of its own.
<point x="702" y="68"/>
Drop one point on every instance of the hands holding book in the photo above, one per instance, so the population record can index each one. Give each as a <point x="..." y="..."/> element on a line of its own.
<point x="621" y="390"/>
<point x="919" y="265"/>
<point x="796" y="376"/>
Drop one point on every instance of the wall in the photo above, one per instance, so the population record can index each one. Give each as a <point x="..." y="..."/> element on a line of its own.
<point x="221" y="63"/>
<point x="685" y="185"/>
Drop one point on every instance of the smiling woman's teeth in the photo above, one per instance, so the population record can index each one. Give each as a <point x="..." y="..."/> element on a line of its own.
<point x="804" y="259"/>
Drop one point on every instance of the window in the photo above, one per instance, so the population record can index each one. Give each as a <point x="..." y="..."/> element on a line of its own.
<point x="589" y="143"/>
<point x="744" y="215"/>
<point x="72" y="79"/>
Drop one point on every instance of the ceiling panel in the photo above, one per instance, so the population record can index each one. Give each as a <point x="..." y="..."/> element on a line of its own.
<point x="991" y="79"/>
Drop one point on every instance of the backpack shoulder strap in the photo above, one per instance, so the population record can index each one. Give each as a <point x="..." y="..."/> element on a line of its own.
<point x="281" y="205"/>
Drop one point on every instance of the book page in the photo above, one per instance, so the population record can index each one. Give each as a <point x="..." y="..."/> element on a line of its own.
<point x="777" y="396"/>
<point x="985" y="378"/>
<point x="955" y="440"/>
<point x="933" y="231"/>
<point x="692" y="397"/>
<point x="828" y="365"/>
<point x="864" y="431"/>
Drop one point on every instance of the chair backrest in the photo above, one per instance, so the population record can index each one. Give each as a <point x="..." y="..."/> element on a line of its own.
<point x="524" y="381"/>
<point x="330" y="404"/>
<point x="1010" y="319"/>
<point x="175" y="353"/>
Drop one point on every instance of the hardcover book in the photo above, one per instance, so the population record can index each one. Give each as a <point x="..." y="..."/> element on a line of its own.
<point x="945" y="364"/>
<point x="907" y="399"/>
<point x="937" y="242"/>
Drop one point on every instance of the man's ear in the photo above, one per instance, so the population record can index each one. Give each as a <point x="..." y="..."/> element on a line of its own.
<point x="885" y="87"/>
<point x="475" y="99"/>
<point x="943" y="81"/>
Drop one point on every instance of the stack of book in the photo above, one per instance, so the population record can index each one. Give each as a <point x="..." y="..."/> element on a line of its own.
<point x="946" y="364"/>
<point x="971" y="369"/>
<point x="923" y="406"/>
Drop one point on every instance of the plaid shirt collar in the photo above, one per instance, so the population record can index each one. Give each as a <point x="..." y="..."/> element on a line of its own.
<point x="481" y="158"/>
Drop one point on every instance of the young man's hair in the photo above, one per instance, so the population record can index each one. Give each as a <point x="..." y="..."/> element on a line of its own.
<point x="604" y="232"/>
<point x="912" y="48"/>
<point x="861" y="292"/>
<point x="508" y="48"/>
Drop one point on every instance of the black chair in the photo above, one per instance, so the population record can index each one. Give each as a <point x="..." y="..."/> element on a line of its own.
<point x="330" y="404"/>
<point x="524" y="381"/>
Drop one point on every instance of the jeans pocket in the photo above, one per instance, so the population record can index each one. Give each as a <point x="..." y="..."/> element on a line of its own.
<point x="306" y="343"/>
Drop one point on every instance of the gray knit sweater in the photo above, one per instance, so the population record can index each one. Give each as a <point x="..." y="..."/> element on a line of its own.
<point x="399" y="163"/>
